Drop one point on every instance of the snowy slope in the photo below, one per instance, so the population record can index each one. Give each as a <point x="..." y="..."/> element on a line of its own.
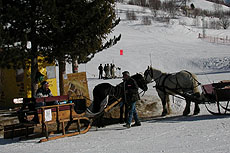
<point x="172" y="47"/>
<point x="205" y="5"/>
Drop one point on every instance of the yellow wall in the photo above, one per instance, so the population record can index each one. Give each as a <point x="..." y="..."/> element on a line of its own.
<point x="19" y="87"/>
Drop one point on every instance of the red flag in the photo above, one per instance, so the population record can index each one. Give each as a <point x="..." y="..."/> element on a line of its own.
<point x="121" y="52"/>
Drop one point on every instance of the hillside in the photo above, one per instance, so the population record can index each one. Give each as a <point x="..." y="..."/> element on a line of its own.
<point x="172" y="46"/>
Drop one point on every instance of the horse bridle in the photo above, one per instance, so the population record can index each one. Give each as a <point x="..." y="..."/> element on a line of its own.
<point x="151" y="75"/>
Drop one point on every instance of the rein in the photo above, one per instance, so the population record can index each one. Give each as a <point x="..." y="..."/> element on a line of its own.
<point x="158" y="78"/>
<point x="117" y="92"/>
<point x="141" y="92"/>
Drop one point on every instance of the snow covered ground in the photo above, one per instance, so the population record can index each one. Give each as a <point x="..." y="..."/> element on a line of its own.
<point x="196" y="134"/>
<point x="170" y="48"/>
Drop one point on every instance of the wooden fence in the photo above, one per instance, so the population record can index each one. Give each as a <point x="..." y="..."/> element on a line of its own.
<point x="216" y="39"/>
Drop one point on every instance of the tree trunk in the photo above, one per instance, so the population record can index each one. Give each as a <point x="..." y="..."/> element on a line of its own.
<point x="1" y="84"/>
<point x="74" y="65"/>
<point x="34" y="51"/>
<point x="34" y="70"/>
<point x="61" y="78"/>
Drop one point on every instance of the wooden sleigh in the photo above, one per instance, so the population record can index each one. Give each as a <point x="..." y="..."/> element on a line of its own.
<point x="64" y="115"/>
<point x="218" y="95"/>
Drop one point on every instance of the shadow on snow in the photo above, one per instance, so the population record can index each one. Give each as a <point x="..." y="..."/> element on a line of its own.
<point x="180" y="118"/>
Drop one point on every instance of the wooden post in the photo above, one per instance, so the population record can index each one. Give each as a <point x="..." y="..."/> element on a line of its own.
<point x="57" y="119"/>
<point x="61" y="77"/>
<point x="78" y="125"/>
<point x="63" y="128"/>
<point x="43" y="120"/>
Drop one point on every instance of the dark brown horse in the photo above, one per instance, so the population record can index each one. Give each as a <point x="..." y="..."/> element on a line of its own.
<point x="101" y="91"/>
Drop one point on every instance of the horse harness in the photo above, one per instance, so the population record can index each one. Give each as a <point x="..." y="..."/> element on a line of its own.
<point x="116" y="92"/>
<point x="161" y="85"/>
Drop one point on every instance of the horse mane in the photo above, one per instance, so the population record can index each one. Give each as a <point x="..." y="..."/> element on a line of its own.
<point x="159" y="72"/>
<point x="151" y="68"/>
<point x="135" y="75"/>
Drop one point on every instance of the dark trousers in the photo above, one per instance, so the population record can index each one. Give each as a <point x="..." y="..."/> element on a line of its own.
<point x="132" y="113"/>
<point x="100" y="75"/>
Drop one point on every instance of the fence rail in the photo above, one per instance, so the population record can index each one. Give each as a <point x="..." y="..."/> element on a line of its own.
<point x="216" y="39"/>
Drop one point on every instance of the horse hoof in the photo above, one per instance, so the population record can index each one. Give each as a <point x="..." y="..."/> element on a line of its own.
<point x="185" y="113"/>
<point x="164" y="114"/>
<point x="196" y="113"/>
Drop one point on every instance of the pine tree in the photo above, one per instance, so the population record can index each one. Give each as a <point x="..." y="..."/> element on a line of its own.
<point x="80" y="30"/>
<point x="22" y="22"/>
<point x="59" y="30"/>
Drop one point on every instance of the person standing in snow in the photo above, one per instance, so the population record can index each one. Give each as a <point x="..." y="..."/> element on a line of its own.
<point x="131" y="96"/>
<point x="112" y="71"/>
<point x="105" y="69"/>
<point x="100" y="68"/>
<point x="108" y="71"/>
<point x="111" y="66"/>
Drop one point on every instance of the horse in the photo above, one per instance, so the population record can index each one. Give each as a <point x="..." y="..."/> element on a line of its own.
<point x="101" y="91"/>
<point x="180" y="83"/>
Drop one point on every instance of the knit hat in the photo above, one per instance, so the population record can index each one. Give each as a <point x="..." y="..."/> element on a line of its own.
<point x="44" y="82"/>
<point x="125" y="73"/>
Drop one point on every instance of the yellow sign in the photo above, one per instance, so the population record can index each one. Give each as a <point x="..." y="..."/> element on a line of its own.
<point x="75" y="85"/>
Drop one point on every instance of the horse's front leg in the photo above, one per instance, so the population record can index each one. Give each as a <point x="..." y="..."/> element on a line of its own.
<point x="165" y="111"/>
<point x="187" y="108"/>
<point x="164" y="99"/>
<point x="196" y="109"/>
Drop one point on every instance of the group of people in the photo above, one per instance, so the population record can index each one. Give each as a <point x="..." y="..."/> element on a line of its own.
<point x="109" y="71"/>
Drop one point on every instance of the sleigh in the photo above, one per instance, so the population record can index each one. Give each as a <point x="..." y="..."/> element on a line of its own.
<point x="46" y="117"/>
<point x="218" y="97"/>
<point x="70" y="117"/>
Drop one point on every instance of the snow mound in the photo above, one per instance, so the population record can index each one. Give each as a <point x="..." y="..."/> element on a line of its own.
<point x="216" y="64"/>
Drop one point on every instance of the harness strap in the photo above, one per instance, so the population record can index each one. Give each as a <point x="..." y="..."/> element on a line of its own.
<point x="162" y="87"/>
<point x="198" y="83"/>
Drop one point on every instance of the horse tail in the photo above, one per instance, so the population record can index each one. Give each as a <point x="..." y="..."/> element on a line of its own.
<point x="195" y="83"/>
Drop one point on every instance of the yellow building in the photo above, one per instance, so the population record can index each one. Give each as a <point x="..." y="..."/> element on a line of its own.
<point x="16" y="83"/>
